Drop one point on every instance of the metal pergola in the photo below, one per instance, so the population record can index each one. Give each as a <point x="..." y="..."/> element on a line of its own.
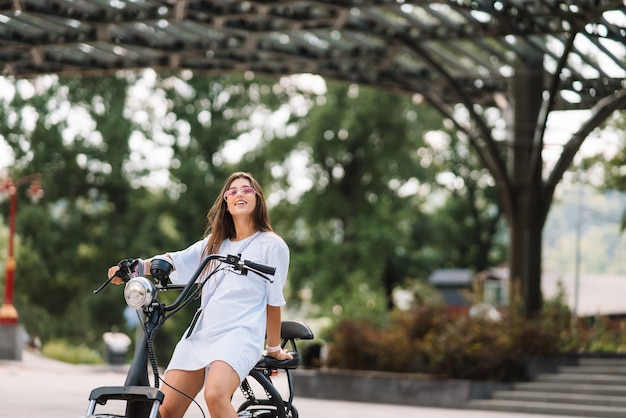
<point x="442" y="49"/>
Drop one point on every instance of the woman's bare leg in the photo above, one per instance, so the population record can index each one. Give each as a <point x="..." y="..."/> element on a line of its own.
<point x="188" y="382"/>
<point x="221" y="383"/>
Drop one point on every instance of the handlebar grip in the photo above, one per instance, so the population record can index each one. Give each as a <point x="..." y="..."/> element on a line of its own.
<point x="260" y="267"/>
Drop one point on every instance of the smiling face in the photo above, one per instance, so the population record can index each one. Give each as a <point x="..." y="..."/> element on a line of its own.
<point x="240" y="198"/>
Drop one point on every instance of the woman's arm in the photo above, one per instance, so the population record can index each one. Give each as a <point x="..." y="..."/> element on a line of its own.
<point x="273" y="334"/>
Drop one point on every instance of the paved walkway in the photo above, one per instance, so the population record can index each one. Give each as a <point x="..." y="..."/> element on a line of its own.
<point x="44" y="388"/>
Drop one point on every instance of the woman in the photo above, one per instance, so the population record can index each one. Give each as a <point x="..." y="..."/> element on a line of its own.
<point x="238" y="311"/>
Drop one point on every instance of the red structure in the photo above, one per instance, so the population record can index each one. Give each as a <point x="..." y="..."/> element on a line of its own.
<point x="8" y="313"/>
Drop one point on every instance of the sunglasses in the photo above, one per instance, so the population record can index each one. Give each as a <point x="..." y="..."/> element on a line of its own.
<point x="246" y="191"/>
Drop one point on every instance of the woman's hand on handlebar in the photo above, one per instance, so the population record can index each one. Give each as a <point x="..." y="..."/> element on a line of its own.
<point x="114" y="278"/>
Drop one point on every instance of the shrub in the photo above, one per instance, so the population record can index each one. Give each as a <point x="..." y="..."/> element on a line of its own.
<point x="74" y="354"/>
<point x="443" y="343"/>
<point x="353" y="346"/>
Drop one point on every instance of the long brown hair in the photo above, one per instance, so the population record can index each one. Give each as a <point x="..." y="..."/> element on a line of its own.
<point x="220" y="225"/>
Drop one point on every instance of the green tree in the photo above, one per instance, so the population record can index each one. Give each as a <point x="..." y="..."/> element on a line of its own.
<point x="372" y="211"/>
<point x="66" y="237"/>
<point x="612" y="167"/>
<point x="350" y="220"/>
<point x="140" y="177"/>
<point x="468" y="222"/>
<point x="98" y="143"/>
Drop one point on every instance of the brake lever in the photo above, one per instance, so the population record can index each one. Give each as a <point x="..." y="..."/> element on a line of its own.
<point x="124" y="278"/>
<point x="103" y="285"/>
<point x="248" y="268"/>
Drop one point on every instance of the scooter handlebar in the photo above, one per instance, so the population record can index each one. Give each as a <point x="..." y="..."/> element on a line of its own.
<point x="260" y="267"/>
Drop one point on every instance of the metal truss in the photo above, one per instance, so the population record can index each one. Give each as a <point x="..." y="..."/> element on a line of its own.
<point x="449" y="51"/>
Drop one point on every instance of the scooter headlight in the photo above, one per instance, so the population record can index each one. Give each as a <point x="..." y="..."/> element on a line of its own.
<point x="139" y="293"/>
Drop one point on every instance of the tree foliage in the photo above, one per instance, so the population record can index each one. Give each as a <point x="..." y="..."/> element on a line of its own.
<point x="131" y="163"/>
<point x="96" y="144"/>
<point x="612" y="166"/>
<point x="469" y="214"/>
<point x="350" y="222"/>
<point x="362" y="225"/>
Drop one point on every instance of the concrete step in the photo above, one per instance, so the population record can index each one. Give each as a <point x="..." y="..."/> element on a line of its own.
<point x="579" y="388"/>
<point x="596" y="379"/>
<point x="559" y="397"/>
<point x="595" y="388"/>
<point x="548" y="408"/>
<point x="616" y="362"/>
<point x="594" y="369"/>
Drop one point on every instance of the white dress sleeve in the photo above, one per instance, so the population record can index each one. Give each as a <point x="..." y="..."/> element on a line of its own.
<point x="277" y="256"/>
<point x="186" y="261"/>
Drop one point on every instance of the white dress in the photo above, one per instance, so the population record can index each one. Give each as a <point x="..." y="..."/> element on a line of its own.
<point x="232" y="325"/>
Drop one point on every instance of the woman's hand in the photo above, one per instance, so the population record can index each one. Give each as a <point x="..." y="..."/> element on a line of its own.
<point x="111" y="273"/>
<point x="280" y="354"/>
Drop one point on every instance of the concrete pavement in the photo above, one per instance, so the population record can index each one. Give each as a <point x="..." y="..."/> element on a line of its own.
<point x="45" y="388"/>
